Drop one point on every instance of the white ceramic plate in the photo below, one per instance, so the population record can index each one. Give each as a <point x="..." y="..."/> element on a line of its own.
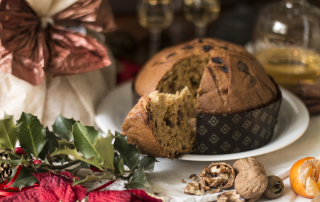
<point x="293" y="121"/>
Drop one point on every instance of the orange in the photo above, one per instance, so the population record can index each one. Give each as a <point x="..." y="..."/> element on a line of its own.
<point x="305" y="177"/>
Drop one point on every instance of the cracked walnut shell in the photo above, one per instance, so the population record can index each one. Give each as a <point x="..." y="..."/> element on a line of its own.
<point x="251" y="183"/>
<point x="217" y="175"/>
<point x="245" y="164"/>
<point x="230" y="196"/>
<point x="193" y="188"/>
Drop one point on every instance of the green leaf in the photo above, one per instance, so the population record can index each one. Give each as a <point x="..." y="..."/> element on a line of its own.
<point x="32" y="134"/>
<point x="14" y="160"/>
<point x="147" y="163"/>
<point x="63" y="127"/>
<point x="85" y="138"/>
<point x="105" y="149"/>
<point x="128" y="152"/>
<point x="121" y="166"/>
<point x="81" y="165"/>
<point x="51" y="144"/>
<point x="65" y="148"/>
<point x="116" y="161"/>
<point x="24" y="179"/>
<point x="91" y="178"/>
<point x="9" y="135"/>
<point x="138" y="180"/>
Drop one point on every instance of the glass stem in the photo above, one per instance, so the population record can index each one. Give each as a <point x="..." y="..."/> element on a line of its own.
<point x="201" y="32"/>
<point x="154" y="44"/>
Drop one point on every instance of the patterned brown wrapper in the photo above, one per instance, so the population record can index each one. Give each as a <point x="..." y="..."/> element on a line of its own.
<point x="238" y="132"/>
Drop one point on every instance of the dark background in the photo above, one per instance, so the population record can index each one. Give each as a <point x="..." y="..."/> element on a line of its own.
<point x="129" y="42"/>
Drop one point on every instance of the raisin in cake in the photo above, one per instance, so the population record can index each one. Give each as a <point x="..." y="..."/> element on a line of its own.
<point x="159" y="126"/>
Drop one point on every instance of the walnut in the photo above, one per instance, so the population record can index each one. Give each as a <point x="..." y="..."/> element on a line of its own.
<point x="251" y="183"/>
<point x="193" y="188"/>
<point x="245" y="164"/>
<point x="230" y="196"/>
<point x="217" y="175"/>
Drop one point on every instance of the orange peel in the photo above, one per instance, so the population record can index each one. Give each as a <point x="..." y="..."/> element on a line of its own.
<point x="305" y="177"/>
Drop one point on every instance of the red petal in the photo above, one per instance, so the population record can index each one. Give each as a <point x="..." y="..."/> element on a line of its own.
<point x="30" y="195"/>
<point x="56" y="188"/>
<point x="110" y="196"/>
<point x="80" y="192"/>
<point x="143" y="196"/>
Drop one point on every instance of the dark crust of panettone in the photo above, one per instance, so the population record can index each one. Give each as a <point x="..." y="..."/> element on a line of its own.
<point x="233" y="80"/>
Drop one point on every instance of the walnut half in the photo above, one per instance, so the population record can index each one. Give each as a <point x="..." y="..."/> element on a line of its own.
<point x="217" y="175"/>
<point x="193" y="188"/>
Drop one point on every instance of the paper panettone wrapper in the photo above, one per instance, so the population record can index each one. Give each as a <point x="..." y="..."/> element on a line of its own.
<point x="237" y="132"/>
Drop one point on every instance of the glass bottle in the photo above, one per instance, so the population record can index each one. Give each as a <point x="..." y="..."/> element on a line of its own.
<point x="287" y="42"/>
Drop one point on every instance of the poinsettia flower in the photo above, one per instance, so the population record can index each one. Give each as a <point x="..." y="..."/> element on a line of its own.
<point x="132" y="195"/>
<point x="52" y="188"/>
<point x="55" y="188"/>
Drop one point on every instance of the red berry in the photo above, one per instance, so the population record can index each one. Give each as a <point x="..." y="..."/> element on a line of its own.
<point x="19" y="150"/>
<point x="37" y="161"/>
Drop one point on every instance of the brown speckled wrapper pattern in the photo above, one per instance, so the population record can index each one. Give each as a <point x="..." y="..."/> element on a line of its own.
<point x="238" y="132"/>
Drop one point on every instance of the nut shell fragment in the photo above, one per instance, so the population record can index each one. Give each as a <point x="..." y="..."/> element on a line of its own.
<point x="230" y="196"/>
<point x="251" y="184"/>
<point x="193" y="188"/>
<point x="218" y="175"/>
<point x="245" y="164"/>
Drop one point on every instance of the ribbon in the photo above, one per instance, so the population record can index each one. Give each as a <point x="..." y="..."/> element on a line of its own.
<point x="6" y="190"/>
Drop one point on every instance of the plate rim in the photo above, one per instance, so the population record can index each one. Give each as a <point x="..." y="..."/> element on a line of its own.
<point x="292" y="99"/>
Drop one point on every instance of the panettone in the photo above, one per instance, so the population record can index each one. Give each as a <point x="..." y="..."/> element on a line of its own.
<point x="159" y="126"/>
<point x="223" y="79"/>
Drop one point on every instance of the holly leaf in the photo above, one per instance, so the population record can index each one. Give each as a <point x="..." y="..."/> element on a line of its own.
<point x="85" y="138"/>
<point x="65" y="148"/>
<point x="9" y="135"/>
<point x="147" y="163"/>
<point x="121" y="166"/>
<point x="128" y="152"/>
<point x="91" y="178"/>
<point x="32" y="134"/>
<point x="116" y="161"/>
<point x="138" y="180"/>
<point x="78" y="167"/>
<point x="105" y="149"/>
<point x="63" y="127"/>
<point x="14" y="161"/>
<point x="24" y="179"/>
<point x="51" y="144"/>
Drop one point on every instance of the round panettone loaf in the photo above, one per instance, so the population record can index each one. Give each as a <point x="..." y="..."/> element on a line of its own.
<point x="222" y="77"/>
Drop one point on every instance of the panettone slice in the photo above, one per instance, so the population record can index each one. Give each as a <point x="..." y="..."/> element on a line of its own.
<point x="159" y="125"/>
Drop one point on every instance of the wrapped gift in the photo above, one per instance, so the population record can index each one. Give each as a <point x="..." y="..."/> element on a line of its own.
<point x="49" y="64"/>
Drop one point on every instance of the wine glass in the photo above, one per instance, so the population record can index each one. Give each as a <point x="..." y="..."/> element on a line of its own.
<point x="201" y="13"/>
<point x="287" y="42"/>
<point x="155" y="15"/>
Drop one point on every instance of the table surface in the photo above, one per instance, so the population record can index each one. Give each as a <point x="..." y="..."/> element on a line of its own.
<point x="168" y="174"/>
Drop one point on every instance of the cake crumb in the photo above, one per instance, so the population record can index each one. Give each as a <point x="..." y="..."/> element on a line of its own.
<point x="193" y="176"/>
<point x="183" y="181"/>
<point x="214" y="191"/>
